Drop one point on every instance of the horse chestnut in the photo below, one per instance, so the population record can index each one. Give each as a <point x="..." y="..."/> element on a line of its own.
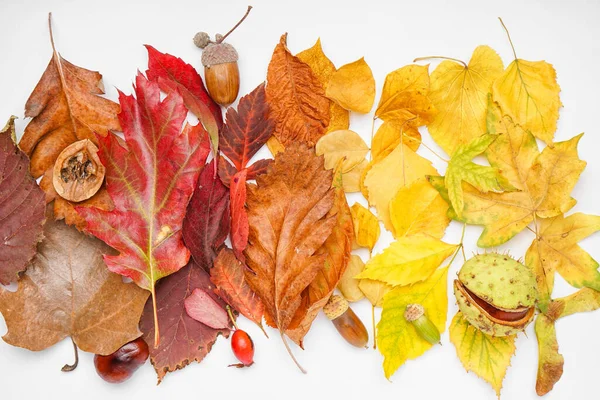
<point x="120" y="365"/>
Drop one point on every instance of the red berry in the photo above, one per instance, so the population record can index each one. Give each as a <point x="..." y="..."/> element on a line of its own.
<point x="120" y="365"/>
<point x="243" y="347"/>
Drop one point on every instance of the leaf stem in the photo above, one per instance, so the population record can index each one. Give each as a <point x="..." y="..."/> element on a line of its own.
<point x="156" y="328"/>
<point x="441" y="58"/>
<point x="509" y="39"/>
<point x="230" y="313"/>
<point x="374" y="327"/>
<point x="372" y="135"/>
<point x="236" y="25"/>
<point x="287" y="346"/>
<point x="71" y="367"/>
<point x="428" y="148"/>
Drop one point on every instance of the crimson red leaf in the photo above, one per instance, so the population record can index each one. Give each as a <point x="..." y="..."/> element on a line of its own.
<point x="22" y="206"/>
<point x="239" y="217"/>
<point x="206" y="224"/>
<point x="227" y="171"/>
<point x="201" y="307"/>
<point x="184" y="339"/>
<point x="150" y="184"/>
<point x="231" y="285"/>
<point x="247" y="129"/>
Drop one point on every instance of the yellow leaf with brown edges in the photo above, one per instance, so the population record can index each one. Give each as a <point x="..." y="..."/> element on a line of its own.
<point x="352" y="86"/>
<point x="366" y="226"/>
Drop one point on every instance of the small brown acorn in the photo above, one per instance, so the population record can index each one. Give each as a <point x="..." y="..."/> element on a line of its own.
<point x="221" y="72"/>
<point x="346" y="321"/>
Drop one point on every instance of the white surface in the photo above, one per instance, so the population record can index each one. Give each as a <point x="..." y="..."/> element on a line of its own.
<point x="107" y="36"/>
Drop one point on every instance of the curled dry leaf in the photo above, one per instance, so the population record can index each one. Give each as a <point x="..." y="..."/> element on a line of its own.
<point x="366" y="226"/>
<point x="348" y="284"/>
<point x="296" y="98"/>
<point x="201" y="307"/>
<point x="67" y="291"/>
<point x="21" y="208"/>
<point x="353" y="87"/>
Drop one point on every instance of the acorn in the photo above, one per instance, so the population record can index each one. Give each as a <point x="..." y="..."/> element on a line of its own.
<point x="221" y="72"/>
<point x="415" y="314"/>
<point x="346" y="322"/>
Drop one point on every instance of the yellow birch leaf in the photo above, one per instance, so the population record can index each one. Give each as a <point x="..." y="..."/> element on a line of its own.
<point x="351" y="179"/>
<point x="550" y="361"/>
<point x="397" y="339"/>
<point x="275" y="146"/>
<point x="487" y="356"/>
<point x="342" y="145"/>
<point x="366" y="226"/>
<point x="374" y="291"/>
<point x="459" y="93"/>
<point x="528" y="92"/>
<point x="391" y="134"/>
<point x="348" y="285"/>
<point x="404" y="96"/>
<point x="353" y="87"/>
<point x="323" y="69"/>
<point x="557" y="250"/>
<point x="419" y="209"/>
<point x="408" y="260"/>
<point x="383" y="180"/>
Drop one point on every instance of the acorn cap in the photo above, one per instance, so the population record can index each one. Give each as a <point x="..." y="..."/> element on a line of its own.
<point x="336" y="306"/>
<point x="218" y="53"/>
<point x="413" y="312"/>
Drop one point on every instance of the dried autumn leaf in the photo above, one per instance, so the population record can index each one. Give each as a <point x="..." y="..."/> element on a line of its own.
<point x="207" y="219"/>
<point x="343" y="145"/>
<point x="323" y="69"/>
<point x="551" y="362"/>
<point x="419" y="209"/>
<point x="556" y="250"/>
<point x="348" y="284"/>
<point x="297" y="100"/>
<point x="150" y="184"/>
<point x="337" y="249"/>
<point x="397" y="339"/>
<point x="389" y="136"/>
<point x="239" y="217"/>
<point x="405" y="96"/>
<point x="460" y="93"/>
<point x="231" y="285"/>
<point x="408" y="260"/>
<point x="374" y="291"/>
<point x="247" y="129"/>
<point x="366" y="226"/>
<point x="527" y="91"/>
<point x="65" y="107"/>
<point x="68" y="292"/>
<point x="174" y="75"/>
<point x="289" y="221"/>
<point x="487" y="356"/>
<point x="203" y="308"/>
<point x="352" y="86"/>
<point x="183" y="339"/>
<point x="21" y="208"/>
<point x="383" y="180"/>
<point x="351" y="179"/>
<point x="461" y="168"/>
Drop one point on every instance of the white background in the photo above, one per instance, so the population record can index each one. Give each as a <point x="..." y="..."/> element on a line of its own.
<point x="108" y="35"/>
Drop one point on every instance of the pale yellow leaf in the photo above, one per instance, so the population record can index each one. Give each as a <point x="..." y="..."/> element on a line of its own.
<point x="351" y="179"/>
<point x="348" y="285"/>
<point x="343" y="145"/>
<point x="374" y="291"/>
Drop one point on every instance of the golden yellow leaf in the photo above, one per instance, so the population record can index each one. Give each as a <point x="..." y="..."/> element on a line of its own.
<point x="460" y="94"/>
<point x="353" y="87"/>
<point x="383" y="180"/>
<point x="550" y="361"/>
<point x="390" y="134"/>
<point x="366" y="226"/>
<point x="408" y="260"/>
<point x="323" y="69"/>
<point x="528" y="92"/>
<point x="487" y="356"/>
<point x="419" y="208"/>
<point x="348" y="285"/>
<point x="374" y="291"/>
<point x="343" y="145"/>
<point x="557" y="250"/>
<point x="351" y="179"/>
<point x="397" y="339"/>
<point x="405" y="96"/>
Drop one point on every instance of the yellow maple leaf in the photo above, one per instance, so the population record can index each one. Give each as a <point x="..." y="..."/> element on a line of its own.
<point x="323" y="69"/>
<point x="343" y="145"/>
<point x="556" y="250"/>
<point x="389" y="136"/>
<point x="351" y="179"/>
<point x="386" y="176"/>
<point x="352" y="86"/>
<point x="408" y="260"/>
<point x="348" y="284"/>
<point x="419" y="208"/>
<point x="366" y="226"/>
<point x="487" y="356"/>
<point x="397" y="339"/>
<point x="459" y="92"/>
<point x="405" y="96"/>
